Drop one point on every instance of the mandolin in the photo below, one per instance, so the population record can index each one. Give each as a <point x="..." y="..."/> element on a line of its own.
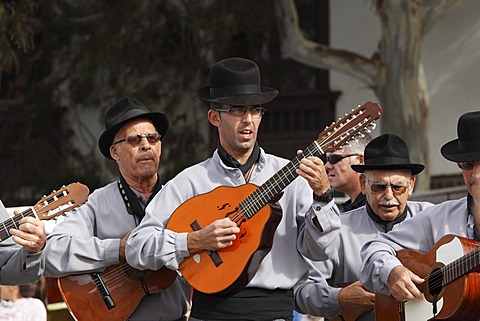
<point x="228" y="270"/>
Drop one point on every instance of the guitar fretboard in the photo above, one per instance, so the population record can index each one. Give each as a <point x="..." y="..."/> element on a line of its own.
<point x="13" y="223"/>
<point x="461" y="266"/>
<point x="333" y="137"/>
<point x="268" y="190"/>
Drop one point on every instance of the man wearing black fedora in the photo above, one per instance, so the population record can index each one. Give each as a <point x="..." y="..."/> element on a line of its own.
<point x="387" y="180"/>
<point x="382" y="271"/>
<point x="93" y="238"/>
<point x="236" y="99"/>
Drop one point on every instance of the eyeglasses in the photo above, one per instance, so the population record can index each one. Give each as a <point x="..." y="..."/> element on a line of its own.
<point x="256" y="111"/>
<point x="467" y="165"/>
<point x="335" y="158"/>
<point x="135" y="140"/>
<point x="381" y="188"/>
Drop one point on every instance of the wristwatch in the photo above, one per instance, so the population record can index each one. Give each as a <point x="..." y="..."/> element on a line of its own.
<point x="325" y="197"/>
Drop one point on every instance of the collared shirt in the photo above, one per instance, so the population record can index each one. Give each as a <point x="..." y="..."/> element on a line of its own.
<point x="338" y="247"/>
<point x="420" y="233"/>
<point x="88" y="240"/>
<point x="152" y="246"/>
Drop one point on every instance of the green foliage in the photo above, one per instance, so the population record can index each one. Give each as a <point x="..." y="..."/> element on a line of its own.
<point x="61" y="56"/>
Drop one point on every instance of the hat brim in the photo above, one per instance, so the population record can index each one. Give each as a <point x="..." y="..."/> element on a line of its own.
<point x="159" y="120"/>
<point x="414" y="168"/>
<point x="451" y="152"/>
<point x="266" y="95"/>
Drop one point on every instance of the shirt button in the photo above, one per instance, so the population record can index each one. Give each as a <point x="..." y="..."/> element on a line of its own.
<point x="238" y="175"/>
<point x="317" y="208"/>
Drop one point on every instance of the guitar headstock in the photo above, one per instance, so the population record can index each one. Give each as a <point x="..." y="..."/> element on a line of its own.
<point x="349" y="127"/>
<point x="61" y="201"/>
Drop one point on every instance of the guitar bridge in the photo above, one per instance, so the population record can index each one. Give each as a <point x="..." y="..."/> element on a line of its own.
<point x="102" y="289"/>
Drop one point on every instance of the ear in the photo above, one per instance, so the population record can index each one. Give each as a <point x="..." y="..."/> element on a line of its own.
<point x="411" y="185"/>
<point x="114" y="152"/>
<point x="361" y="159"/>
<point x="214" y="117"/>
<point x="363" y="182"/>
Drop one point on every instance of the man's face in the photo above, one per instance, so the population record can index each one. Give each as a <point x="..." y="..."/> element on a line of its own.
<point x="387" y="191"/>
<point x="140" y="161"/>
<point x="471" y="177"/>
<point x="237" y="133"/>
<point x="340" y="175"/>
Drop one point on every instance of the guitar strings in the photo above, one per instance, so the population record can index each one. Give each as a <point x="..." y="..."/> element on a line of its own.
<point x="250" y="205"/>
<point x="451" y="272"/>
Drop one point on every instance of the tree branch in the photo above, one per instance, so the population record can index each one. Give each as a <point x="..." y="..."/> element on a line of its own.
<point x="295" y="46"/>
<point x="433" y="10"/>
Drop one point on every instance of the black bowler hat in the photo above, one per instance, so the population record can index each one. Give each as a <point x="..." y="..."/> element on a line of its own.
<point x="236" y="81"/>
<point x="123" y="111"/>
<point x="467" y="147"/>
<point x="387" y="151"/>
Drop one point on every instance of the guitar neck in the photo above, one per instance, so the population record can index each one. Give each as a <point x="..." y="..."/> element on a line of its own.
<point x="268" y="190"/>
<point x="461" y="266"/>
<point x="13" y="223"/>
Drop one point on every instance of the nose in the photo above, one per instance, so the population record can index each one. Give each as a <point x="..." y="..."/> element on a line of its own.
<point x="248" y="116"/>
<point x="144" y="144"/>
<point x="388" y="192"/>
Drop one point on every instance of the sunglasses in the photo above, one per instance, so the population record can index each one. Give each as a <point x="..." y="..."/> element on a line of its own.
<point x="467" y="165"/>
<point x="135" y="140"/>
<point x="335" y="158"/>
<point x="381" y="188"/>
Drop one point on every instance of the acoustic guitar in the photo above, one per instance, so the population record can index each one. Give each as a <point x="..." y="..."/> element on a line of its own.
<point x="113" y="294"/>
<point x="48" y="207"/>
<point x="451" y="290"/>
<point x="228" y="270"/>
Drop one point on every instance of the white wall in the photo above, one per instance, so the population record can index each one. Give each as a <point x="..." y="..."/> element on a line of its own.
<point x="450" y="55"/>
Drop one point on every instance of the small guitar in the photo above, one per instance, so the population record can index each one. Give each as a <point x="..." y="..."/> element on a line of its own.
<point x="58" y="202"/>
<point x="452" y="283"/>
<point x="229" y="269"/>
<point x="113" y="294"/>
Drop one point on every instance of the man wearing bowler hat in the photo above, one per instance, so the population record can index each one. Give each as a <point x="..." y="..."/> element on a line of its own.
<point x="237" y="100"/>
<point x="93" y="238"/>
<point x="387" y="180"/>
<point x="381" y="270"/>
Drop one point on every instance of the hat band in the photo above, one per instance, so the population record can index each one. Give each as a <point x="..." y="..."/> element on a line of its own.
<point x="468" y="146"/>
<point x="234" y="90"/>
<point x="386" y="161"/>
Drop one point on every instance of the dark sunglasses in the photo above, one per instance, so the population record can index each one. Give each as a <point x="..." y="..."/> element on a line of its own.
<point x="381" y="188"/>
<point x="467" y="165"/>
<point x="135" y="140"/>
<point x="335" y="158"/>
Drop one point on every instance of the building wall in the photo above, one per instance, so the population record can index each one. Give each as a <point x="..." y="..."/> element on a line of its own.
<point x="449" y="56"/>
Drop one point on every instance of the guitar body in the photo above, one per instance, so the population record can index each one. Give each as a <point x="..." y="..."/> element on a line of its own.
<point x="227" y="270"/>
<point x="458" y="300"/>
<point x="126" y="287"/>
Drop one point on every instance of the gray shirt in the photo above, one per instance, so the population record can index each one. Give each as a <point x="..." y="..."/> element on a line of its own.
<point x="420" y="234"/>
<point x="152" y="246"/>
<point x="338" y="246"/>
<point x="88" y="240"/>
<point x="17" y="264"/>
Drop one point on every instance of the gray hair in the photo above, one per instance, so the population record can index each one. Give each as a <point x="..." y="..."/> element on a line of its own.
<point x="358" y="144"/>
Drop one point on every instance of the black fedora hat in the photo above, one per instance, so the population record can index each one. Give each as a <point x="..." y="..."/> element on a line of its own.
<point x="123" y="111"/>
<point x="387" y="151"/>
<point x="467" y="147"/>
<point x="236" y="81"/>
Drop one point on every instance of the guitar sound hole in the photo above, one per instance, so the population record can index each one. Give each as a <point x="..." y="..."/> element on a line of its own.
<point x="435" y="281"/>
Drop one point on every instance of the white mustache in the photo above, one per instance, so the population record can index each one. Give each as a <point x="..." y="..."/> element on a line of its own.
<point x="385" y="202"/>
